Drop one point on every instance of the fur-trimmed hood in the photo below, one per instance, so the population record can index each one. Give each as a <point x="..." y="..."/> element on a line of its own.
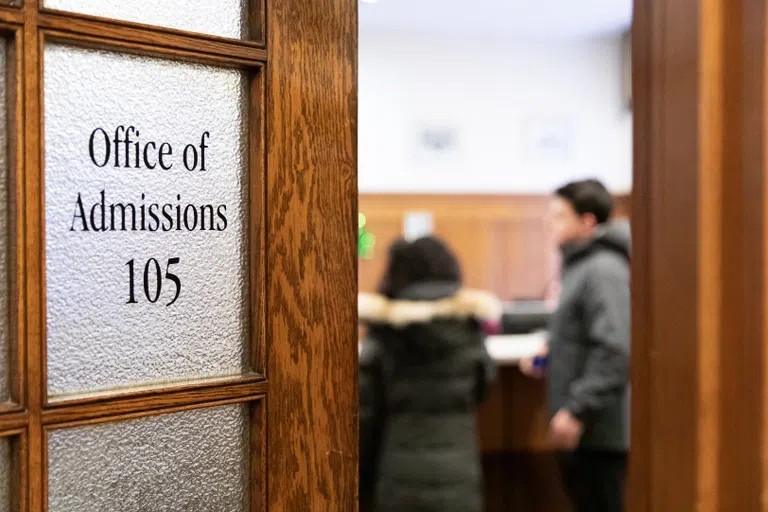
<point x="377" y="309"/>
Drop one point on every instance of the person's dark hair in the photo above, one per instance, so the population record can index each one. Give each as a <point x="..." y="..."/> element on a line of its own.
<point x="426" y="259"/>
<point x="588" y="196"/>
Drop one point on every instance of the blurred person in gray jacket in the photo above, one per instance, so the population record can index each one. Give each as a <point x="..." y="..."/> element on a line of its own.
<point x="587" y="355"/>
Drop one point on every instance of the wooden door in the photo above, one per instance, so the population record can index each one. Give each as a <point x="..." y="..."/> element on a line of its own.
<point x="178" y="263"/>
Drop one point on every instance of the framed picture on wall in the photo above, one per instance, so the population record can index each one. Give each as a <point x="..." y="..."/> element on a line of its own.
<point x="548" y="140"/>
<point x="436" y="145"/>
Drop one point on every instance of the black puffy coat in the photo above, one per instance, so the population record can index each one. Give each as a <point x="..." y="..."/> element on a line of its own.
<point x="424" y="369"/>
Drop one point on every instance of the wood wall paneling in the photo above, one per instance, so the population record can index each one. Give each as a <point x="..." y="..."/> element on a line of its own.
<point x="500" y="240"/>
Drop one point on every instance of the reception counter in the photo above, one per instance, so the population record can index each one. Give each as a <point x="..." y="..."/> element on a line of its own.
<point x="520" y="471"/>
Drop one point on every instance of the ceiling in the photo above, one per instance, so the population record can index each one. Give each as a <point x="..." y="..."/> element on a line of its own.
<point x="500" y="18"/>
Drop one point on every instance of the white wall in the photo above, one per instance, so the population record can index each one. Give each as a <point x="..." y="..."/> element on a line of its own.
<point x="488" y="91"/>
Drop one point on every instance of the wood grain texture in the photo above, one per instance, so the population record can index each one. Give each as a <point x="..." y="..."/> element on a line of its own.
<point x="665" y="317"/>
<point x="500" y="240"/>
<point x="9" y="15"/>
<point x="157" y="398"/>
<point x="27" y="150"/>
<point x="640" y="488"/>
<point x="143" y="413"/>
<point x="246" y="51"/>
<point x="33" y="212"/>
<point x="15" y="149"/>
<point x="514" y="417"/>
<point x="257" y="21"/>
<point x="742" y="466"/>
<point x="312" y="259"/>
<point x="699" y="266"/>
<point x="257" y="221"/>
<point x="18" y="464"/>
<point x="140" y="48"/>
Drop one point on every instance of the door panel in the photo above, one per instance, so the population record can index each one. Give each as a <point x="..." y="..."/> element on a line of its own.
<point x="134" y="255"/>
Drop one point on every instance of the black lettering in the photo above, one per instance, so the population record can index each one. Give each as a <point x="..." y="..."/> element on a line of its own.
<point x="163" y="153"/>
<point x="186" y="217"/>
<point x="143" y="214"/>
<point x="153" y="216"/>
<point x="146" y="161"/>
<point x="186" y="159"/>
<point x="203" y="209"/>
<point x="178" y="214"/>
<point x="220" y="211"/>
<point x="91" y="149"/>
<point x="102" y="206"/>
<point x="138" y="162"/>
<point x="202" y="150"/>
<point x="128" y="147"/>
<point x="123" y="209"/>
<point x="79" y="212"/>
<point x="168" y="214"/>
<point x="117" y="140"/>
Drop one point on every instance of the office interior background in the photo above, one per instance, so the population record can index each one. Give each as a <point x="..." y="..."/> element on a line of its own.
<point x="468" y="120"/>
<point x="474" y="117"/>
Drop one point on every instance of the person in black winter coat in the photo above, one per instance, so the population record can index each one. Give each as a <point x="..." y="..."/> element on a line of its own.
<point x="424" y="369"/>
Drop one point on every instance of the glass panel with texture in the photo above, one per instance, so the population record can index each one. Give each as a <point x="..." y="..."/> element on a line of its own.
<point x="5" y="232"/>
<point x="223" y="18"/>
<point x="196" y="461"/>
<point x="146" y="230"/>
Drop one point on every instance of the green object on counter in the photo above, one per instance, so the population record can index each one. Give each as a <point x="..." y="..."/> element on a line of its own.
<point x="365" y="239"/>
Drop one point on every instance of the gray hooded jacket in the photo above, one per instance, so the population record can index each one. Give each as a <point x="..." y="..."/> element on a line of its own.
<point x="590" y="338"/>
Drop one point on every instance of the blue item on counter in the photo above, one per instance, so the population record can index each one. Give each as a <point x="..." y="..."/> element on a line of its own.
<point x="540" y="362"/>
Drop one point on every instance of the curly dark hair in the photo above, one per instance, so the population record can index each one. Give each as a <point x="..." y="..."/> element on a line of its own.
<point x="427" y="259"/>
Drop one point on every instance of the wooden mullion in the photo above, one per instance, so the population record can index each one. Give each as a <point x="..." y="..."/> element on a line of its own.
<point x="117" y="45"/>
<point x="79" y="420"/>
<point x="19" y="454"/>
<point x="14" y="149"/>
<point x="158" y="398"/>
<point x="33" y="240"/>
<point x="11" y="15"/>
<point x="257" y="222"/>
<point x="13" y="421"/>
<point x="257" y="21"/>
<point x="258" y="456"/>
<point x="145" y="35"/>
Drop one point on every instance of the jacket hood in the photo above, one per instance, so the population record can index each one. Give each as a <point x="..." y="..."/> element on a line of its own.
<point x="613" y="236"/>
<point x="423" y="303"/>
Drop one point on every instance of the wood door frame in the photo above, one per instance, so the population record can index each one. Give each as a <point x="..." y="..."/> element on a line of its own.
<point x="700" y="206"/>
<point x="316" y="413"/>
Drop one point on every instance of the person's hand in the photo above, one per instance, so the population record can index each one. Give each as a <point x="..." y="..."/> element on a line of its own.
<point x="527" y="368"/>
<point x="565" y="431"/>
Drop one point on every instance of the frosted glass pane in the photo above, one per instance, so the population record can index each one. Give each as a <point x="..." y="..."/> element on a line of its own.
<point x="224" y="18"/>
<point x="195" y="461"/>
<point x="115" y="227"/>
<point x="5" y="474"/>
<point x="5" y="234"/>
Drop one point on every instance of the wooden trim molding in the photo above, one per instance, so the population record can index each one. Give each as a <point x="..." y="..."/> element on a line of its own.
<point x="33" y="244"/>
<point x="699" y="286"/>
<point x="164" y="36"/>
<point x="311" y="256"/>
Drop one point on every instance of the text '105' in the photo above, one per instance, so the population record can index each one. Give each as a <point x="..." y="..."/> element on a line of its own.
<point x="153" y="280"/>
